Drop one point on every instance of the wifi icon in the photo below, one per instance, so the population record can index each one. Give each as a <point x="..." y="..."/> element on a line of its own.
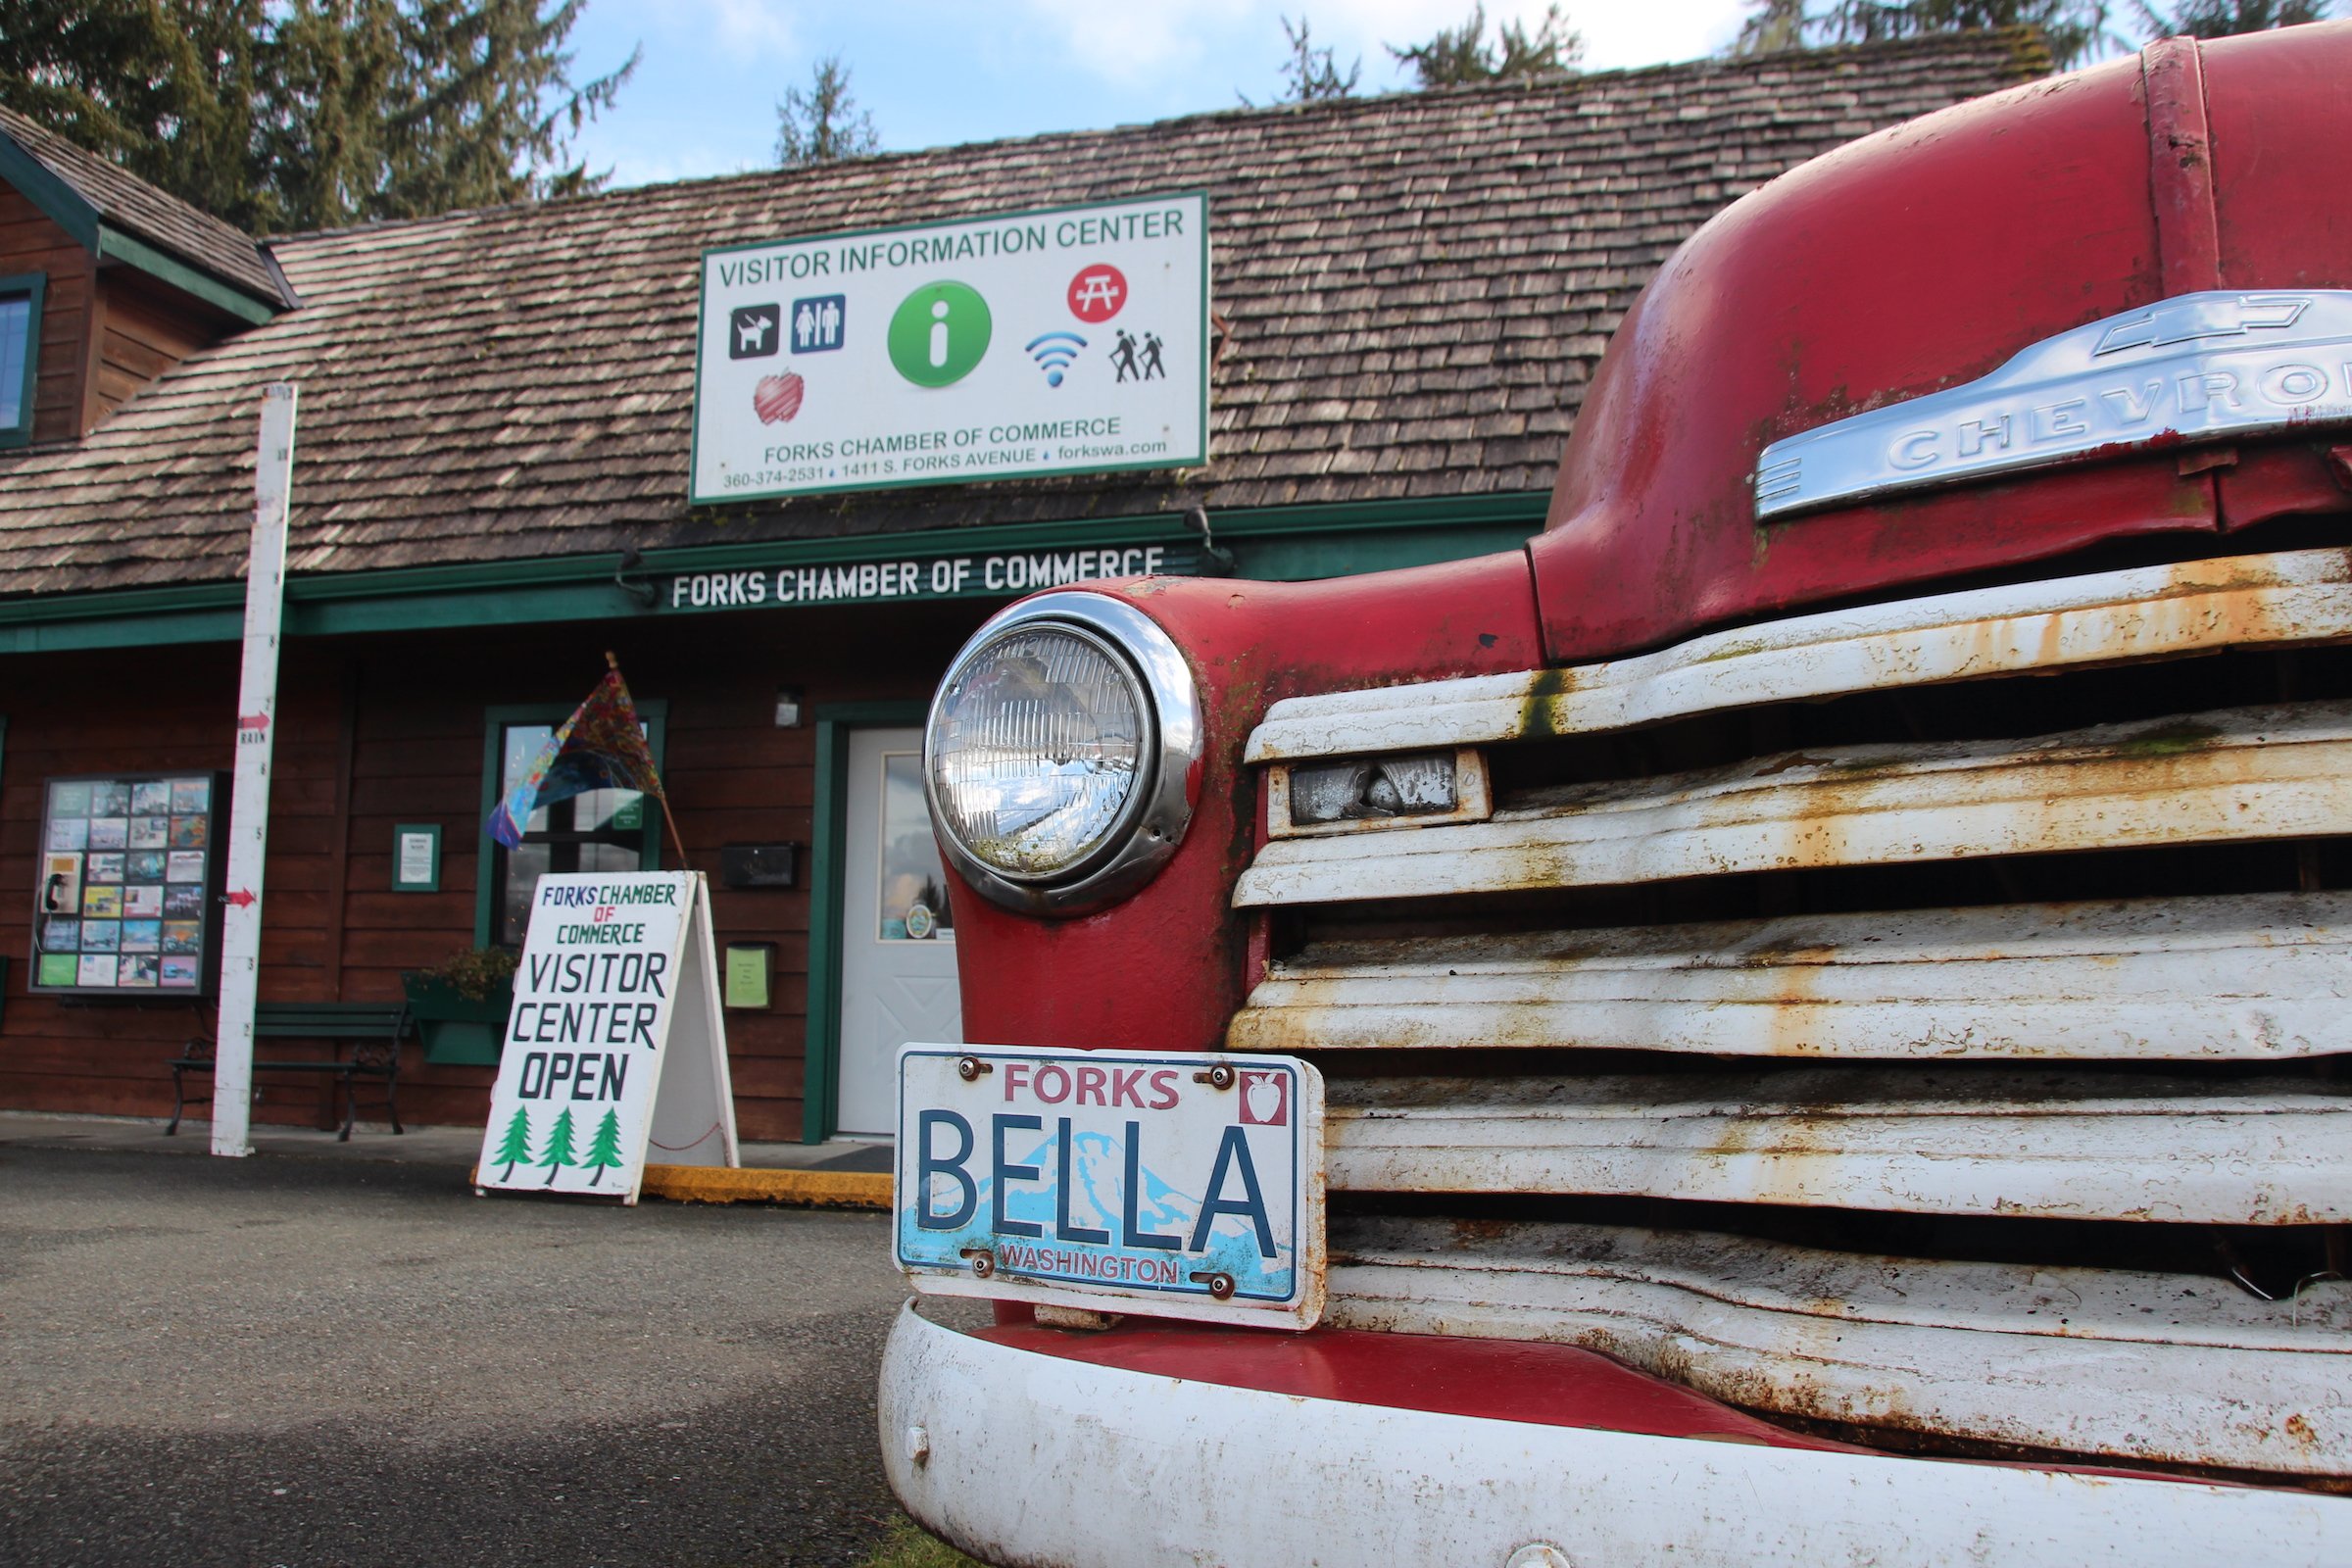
<point x="1054" y="352"/>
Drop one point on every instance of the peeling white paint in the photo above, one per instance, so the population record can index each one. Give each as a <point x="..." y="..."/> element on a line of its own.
<point x="2238" y="774"/>
<point x="2296" y="597"/>
<point x="1044" y="1460"/>
<point x="2243" y="978"/>
<point x="2171" y="1368"/>
<point x="2073" y="1146"/>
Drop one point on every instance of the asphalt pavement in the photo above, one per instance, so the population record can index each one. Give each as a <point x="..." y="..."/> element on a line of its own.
<point x="336" y="1361"/>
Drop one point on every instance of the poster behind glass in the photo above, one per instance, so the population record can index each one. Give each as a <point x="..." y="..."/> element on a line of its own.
<point x="595" y="831"/>
<point x="126" y="896"/>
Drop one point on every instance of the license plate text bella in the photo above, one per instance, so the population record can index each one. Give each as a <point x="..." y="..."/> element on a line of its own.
<point x="1119" y="1181"/>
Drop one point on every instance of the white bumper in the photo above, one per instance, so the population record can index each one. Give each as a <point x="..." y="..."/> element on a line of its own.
<point x="1031" y="1460"/>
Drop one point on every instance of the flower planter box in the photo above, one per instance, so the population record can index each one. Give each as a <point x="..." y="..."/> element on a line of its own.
<point x="458" y="1030"/>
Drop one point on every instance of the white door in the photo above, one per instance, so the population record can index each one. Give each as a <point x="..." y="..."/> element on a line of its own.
<point x="898" y="949"/>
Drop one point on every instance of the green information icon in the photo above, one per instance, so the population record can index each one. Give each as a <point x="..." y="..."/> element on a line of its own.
<point x="938" y="333"/>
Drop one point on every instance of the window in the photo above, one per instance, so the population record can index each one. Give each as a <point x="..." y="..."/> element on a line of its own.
<point x="597" y="830"/>
<point x="19" y="354"/>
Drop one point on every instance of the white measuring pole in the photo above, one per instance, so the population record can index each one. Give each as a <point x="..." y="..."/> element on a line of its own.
<point x="249" y="811"/>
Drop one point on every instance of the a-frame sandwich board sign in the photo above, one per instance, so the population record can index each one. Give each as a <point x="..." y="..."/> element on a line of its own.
<point x="616" y="1044"/>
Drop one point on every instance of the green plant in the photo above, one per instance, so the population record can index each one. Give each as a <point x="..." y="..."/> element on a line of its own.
<point x="909" y="1545"/>
<point x="473" y="972"/>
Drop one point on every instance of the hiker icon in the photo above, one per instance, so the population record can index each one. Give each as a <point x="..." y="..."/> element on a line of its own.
<point x="1140" y="359"/>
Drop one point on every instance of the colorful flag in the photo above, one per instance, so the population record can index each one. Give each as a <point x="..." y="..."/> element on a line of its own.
<point x="600" y="747"/>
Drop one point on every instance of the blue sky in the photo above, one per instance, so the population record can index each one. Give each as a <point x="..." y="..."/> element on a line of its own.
<point x="934" y="74"/>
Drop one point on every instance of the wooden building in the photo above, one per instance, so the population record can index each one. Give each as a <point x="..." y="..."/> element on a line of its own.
<point x="490" y="490"/>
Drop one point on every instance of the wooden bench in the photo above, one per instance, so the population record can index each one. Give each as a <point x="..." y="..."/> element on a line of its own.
<point x="373" y="1029"/>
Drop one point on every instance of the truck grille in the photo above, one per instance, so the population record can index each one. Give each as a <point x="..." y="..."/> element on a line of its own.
<point x="1837" y="1021"/>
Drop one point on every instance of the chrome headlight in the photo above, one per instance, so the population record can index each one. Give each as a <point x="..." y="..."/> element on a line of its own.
<point x="1058" y="753"/>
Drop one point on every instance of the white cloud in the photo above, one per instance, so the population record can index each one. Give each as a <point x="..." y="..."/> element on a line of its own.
<point x="1141" y="41"/>
<point x="739" y="29"/>
<point x="1157" y="43"/>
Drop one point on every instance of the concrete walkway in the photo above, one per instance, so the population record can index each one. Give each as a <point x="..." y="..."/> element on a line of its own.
<point x="841" y="1174"/>
<point x="336" y="1356"/>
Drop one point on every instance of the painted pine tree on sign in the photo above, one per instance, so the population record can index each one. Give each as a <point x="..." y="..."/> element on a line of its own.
<point x="558" y="1147"/>
<point x="603" y="1150"/>
<point x="515" y="1148"/>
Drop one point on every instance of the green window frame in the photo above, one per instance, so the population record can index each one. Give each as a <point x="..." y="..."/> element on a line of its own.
<point x="496" y="721"/>
<point x="20" y="353"/>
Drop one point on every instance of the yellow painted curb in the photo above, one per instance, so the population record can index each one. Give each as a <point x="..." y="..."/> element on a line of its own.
<point x="819" y="1189"/>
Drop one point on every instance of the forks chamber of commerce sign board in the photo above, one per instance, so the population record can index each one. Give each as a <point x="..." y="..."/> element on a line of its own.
<point x="1068" y="341"/>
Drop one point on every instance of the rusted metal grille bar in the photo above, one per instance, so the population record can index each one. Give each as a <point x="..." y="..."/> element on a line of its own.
<point x="2297" y="596"/>
<point x="2238" y="774"/>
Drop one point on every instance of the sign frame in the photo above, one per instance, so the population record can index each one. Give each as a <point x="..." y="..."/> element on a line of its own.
<point x="687" y="1107"/>
<point x="402" y="833"/>
<point x="703" y="264"/>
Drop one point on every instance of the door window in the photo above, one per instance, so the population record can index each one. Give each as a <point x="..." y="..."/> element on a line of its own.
<point x="912" y="902"/>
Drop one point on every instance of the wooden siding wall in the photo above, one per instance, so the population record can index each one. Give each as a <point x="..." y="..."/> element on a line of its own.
<point x="144" y="328"/>
<point x="378" y="731"/>
<point x="30" y="243"/>
<point x="104" y="333"/>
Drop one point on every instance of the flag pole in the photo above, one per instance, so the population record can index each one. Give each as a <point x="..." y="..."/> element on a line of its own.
<point x="613" y="664"/>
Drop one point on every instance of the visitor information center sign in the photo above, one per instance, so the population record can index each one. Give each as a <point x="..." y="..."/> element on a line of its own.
<point x="615" y="1043"/>
<point x="1068" y="341"/>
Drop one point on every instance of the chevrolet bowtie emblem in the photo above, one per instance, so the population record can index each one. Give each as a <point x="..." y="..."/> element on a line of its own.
<point x="2182" y="320"/>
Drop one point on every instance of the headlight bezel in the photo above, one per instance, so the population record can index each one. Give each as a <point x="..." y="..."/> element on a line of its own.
<point x="1157" y="813"/>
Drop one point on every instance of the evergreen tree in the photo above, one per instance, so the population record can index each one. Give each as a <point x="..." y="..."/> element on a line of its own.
<point x="1311" y="74"/>
<point x="515" y="1148"/>
<point x="2072" y="30"/>
<point x="308" y="114"/>
<point x="1458" y="55"/>
<point x="558" y="1147"/>
<point x="824" y="123"/>
<point x="2222" y="18"/>
<point x="603" y="1150"/>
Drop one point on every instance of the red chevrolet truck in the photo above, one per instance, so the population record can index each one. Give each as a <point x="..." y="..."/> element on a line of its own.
<point x="1800" y="1019"/>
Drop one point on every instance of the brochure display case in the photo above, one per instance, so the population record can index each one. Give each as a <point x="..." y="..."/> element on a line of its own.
<point x="127" y="889"/>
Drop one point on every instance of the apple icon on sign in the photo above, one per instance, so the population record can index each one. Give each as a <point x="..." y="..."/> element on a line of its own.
<point x="1264" y="1099"/>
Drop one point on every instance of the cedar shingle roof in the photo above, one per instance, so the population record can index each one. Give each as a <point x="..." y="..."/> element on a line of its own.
<point x="137" y="208"/>
<point x="1418" y="287"/>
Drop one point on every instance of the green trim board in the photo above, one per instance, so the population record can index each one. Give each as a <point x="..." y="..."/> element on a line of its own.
<point x="820" y="1073"/>
<point x="58" y="201"/>
<point x="34" y="287"/>
<point x="1272" y="544"/>
<point x="654" y="712"/>
<point x="72" y="212"/>
<point x="165" y="268"/>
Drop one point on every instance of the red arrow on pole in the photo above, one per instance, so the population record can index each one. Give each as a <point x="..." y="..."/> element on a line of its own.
<point x="242" y="899"/>
<point x="246" y="721"/>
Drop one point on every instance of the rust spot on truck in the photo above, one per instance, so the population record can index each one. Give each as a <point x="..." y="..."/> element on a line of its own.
<point x="1539" y="719"/>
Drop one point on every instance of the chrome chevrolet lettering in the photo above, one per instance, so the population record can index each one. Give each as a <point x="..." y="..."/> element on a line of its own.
<point x="2197" y="368"/>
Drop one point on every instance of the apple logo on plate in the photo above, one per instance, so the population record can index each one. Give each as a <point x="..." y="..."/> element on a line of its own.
<point x="1266" y="1099"/>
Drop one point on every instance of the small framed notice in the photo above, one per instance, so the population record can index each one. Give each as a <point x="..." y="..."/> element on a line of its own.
<point x="417" y="858"/>
<point x="749" y="965"/>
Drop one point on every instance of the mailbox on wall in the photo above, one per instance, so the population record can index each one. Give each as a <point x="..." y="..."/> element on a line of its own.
<point x="759" y="865"/>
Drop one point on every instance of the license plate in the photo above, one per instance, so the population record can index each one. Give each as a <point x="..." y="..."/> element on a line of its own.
<point x="1114" y="1180"/>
